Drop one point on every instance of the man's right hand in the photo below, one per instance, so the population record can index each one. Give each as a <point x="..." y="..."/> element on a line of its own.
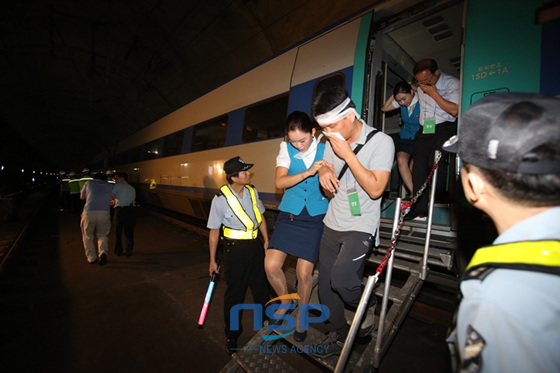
<point x="328" y="179"/>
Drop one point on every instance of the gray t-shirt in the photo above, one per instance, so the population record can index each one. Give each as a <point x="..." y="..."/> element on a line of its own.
<point x="376" y="154"/>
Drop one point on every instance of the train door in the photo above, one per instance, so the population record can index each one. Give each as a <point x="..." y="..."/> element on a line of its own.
<point x="397" y="43"/>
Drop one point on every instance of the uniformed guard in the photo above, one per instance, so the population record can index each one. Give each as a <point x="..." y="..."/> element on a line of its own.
<point x="74" y="185"/>
<point x="508" y="317"/>
<point x="238" y="211"/>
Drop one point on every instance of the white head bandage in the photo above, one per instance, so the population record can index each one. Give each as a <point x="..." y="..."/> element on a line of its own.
<point x="336" y="114"/>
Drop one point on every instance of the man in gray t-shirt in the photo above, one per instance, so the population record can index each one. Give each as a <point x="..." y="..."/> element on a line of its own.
<point x="353" y="216"/>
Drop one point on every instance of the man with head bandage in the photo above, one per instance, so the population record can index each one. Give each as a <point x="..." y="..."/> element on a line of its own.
<point x="357" y="169"/>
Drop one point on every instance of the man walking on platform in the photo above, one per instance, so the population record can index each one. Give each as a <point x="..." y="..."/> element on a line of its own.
<point x="124" y="196"/>
<point x="96" y="217"/>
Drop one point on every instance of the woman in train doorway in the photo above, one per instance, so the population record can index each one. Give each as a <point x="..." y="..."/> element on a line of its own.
<point x="406" y="99"/>
<point x="299" y="225"/>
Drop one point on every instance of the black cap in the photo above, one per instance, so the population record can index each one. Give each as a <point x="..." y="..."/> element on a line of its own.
<point x="236" y="164"/>
<point x="500" y="132"/>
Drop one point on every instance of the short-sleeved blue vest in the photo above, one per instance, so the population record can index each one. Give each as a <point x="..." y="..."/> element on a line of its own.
<point x="411" y="122"/>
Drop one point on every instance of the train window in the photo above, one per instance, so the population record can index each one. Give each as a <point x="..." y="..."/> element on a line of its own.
<point x="135" y="154"/>
<point x="335" y="80"/>
<point x="173" y="144"/>
<point x="265" y="120"/>
<point x="210" y="134"/>
<point x="151" y="150"/>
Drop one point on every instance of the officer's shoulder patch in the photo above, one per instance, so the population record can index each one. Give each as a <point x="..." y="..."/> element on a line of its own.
<point x="479" y="273"/>
<point x="472" y="352"/>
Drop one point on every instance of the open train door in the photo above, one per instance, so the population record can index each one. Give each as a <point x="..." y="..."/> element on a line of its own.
<point x="396" y="44"/>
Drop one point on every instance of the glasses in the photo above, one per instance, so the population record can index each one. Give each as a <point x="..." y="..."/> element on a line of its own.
<point x="429" y="82"/>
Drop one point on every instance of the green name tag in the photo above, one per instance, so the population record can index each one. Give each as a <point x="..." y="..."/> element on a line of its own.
<point x="354" y="202"/>
<point x="429" y="126"/>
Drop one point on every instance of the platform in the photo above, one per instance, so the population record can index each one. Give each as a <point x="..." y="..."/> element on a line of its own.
<point x="139" y="314"/>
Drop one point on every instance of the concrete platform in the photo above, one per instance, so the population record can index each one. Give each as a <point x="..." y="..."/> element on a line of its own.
<point x="139" y="314"/>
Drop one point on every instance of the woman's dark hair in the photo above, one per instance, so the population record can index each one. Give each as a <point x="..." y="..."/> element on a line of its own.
<point x="298" y="120"/>
<point x="401" y="87"/>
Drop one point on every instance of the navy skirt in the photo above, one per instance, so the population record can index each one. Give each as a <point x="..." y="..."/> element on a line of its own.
<point x="298" y="235"/>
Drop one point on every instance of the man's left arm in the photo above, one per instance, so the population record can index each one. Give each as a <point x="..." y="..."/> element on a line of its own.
<point x="374" y="180"/>
<point x="262" y="228"/>
<point x="264" y="231"/>
<point x="449" y="103"/>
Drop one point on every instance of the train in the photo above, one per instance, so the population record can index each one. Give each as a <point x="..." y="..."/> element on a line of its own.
<point x="176" y="163"/>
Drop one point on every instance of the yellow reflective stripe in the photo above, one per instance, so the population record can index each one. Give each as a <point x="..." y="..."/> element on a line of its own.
<point x="239" y="234"/>
<point x="237" y="209"/>
<point x="542" y="253"/>
<point x="235" y="205"/>
<point x="256" y="210"/>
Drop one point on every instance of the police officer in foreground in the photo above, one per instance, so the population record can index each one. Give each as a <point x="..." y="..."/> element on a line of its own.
<point x="238" y="211"/>
<point x="508" y="319"/>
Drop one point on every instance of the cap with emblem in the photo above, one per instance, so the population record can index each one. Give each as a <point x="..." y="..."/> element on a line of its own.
<point x="235" y="165"/>
<point x="501" y="132"/>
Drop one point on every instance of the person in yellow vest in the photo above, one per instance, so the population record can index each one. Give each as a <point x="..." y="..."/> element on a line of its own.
<point x="508" y="317"/>
<point x="238" y="211"/>
<point x="74" y="198"/>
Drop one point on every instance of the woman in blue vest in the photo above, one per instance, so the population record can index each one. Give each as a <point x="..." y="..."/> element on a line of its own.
<point x="299" y="225"/>
<point x="405" y="98"/>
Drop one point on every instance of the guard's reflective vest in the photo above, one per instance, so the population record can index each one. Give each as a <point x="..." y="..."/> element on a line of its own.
<point x="65" y="185"/>
<point x="83" y="180"/>
<point x="74" y="185"/>
<point x="542" y="256"/>
<point x="251" y="231"/>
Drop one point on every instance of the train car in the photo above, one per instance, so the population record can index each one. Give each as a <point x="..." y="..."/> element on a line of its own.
<point x="176" y="163"/>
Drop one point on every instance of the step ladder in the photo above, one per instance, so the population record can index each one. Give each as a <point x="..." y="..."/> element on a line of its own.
<point x="259" y="355"/>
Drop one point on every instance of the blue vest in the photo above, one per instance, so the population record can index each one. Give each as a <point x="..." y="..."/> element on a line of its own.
<point x="411" y="123"/>
<point x="306" y="193"/>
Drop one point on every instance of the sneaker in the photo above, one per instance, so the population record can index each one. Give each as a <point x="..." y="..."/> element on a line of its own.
<point x="103" y="259"/>
<point x="368" y="322"/>
<point x="415" y="216"/>
<point x="328" y="347"/>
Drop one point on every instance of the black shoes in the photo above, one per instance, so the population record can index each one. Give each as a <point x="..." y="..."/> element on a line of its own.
<point x="231" y="345"/>
<point x="300" y="337"/>
<point x="275" y="321"/>
<point x="103" y="259"/>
